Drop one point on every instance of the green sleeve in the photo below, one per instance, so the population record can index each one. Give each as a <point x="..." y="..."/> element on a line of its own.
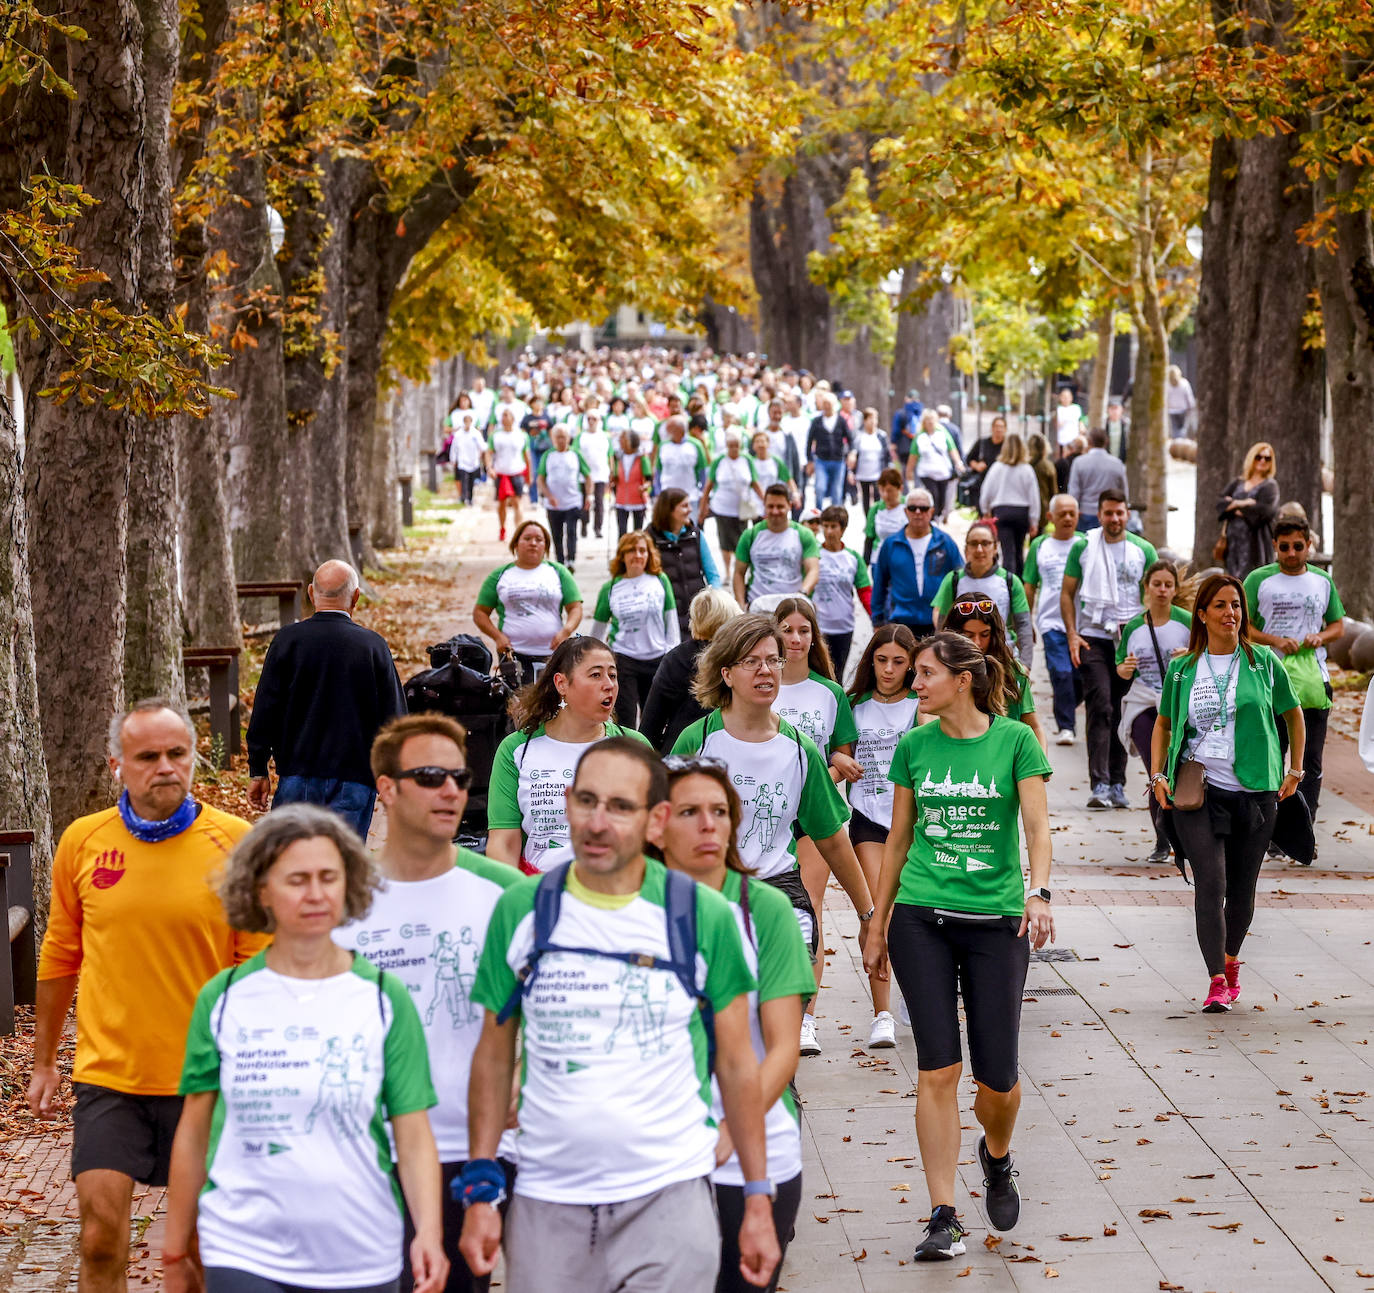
<point x="713" y="471"/>
<point x="1031" y="573"/>
<point x="1029" y="760"/>
<point x="495" y="979"/>
<point x="1182" y="616"/>
<point x="822" y="810"/>
<point x="745" y="544"/>
<point x="846" y="730"/>
<point x="503" y="800"/>
<point x="571" y="592"/>
<point x="691" y="738"/>
<point x="1167" y="701"/>
<point x="810" y="545"/>
<point x="899" y="770"/>
<point x="753" y="475"/>
<point x="646" y="467"/>
<point x="669" y="600"/>
<point x="718" y="940"/>
<point x="1252" y="586"/>
<point x="784" y="963"/>
<point x="1334" y="609"/>
<point x="944" y="595"/>
<point x="1019" y="604"/>
<point x="406" y="1085"/>
<point x="1122" y="650"/>
<point x="1284" y="697"/>
<point x="871" y="524"/>
<point x="543" y="472"/>
<point x="582" y="462"/>
<point x="603" y="603"/>
<point x="498" y="873"/>
<point x="488" y="595"/>
<point x="1073" y="568"/>
<point x="200" y="1067"/>
<point x="784" y="474"/>
<point x="1025" y="700"/>
<point x="702" y="459"/>
<point x="862" y="579"/>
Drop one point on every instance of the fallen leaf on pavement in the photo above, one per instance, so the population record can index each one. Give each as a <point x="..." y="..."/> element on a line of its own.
<point x="1051" y="1273"/>
<point x="963" y="1274"/>
<point x="825" y="1221"/>
<point x="862" y="1255"/>
<point x="1231" y="1227"/>
<point x="1074" y="1239"/>
<point x="1108" y="1231"/>
<point x="1153" y="1214"/>
<point x="1183" y="1198"/>
<point x="1170" y="1288"/>
<point x="990" y="1242"/>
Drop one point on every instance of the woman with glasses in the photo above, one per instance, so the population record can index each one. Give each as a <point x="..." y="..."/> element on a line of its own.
<point x="981" y="575"/>
<point x="698" y="837"/>
<point x="567" y="709"/>
<point x="636" y="614"/>
<point x="954" y="916"/>
<point x="778" y="770"/>
<point x="979" y="620"/>
<point x="1246" y="510"/>
<point x="884" y="711"/>
<point x="1147" y="645"/>
<point x="1215" y="747"/>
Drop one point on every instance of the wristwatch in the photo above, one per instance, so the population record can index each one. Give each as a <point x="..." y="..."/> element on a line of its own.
<point x="764" y="1186"/>
<point x="1041" y="892"/>
<point x="867" y="915"/>
<point x="1296" y="772"/>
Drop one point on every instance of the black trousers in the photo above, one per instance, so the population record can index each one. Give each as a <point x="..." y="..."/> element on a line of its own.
<point x="939" y="493"/>
<point x="1225" y="841"/>
<point x="597" y="510"/>
<point x="1013" y="524"/>
<point x="730" y="1206"/>
<point x="868" y="489"/>
<point x="563" y="523"/>
<point x="839" y="644"/>
<point x="1103" y="689"/>
<point x="1310" y="787"/>
<point x="636" y="677"/>
<point x="1142" y="734"/>
<point x="460" y="1279"/>
<point x="627" y="519"/>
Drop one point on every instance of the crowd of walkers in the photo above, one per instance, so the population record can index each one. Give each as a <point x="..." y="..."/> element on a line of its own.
<point x="579" y="1047"/>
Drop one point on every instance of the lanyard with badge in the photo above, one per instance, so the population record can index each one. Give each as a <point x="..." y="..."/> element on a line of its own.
<point x="1213" y="742"/>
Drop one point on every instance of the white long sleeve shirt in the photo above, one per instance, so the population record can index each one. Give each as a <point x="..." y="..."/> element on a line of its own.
<point x="1006" y="486"/>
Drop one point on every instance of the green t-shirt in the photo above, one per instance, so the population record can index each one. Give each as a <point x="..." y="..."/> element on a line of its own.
<point x="615" y="1093"/>
<point x="1025" y="702"/>
<point x="965" y="850"/>
<point x="308" y="1073"/>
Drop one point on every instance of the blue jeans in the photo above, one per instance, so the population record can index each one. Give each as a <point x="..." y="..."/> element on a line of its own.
<point x="829" y="482"/>
<point x="536" y="455"/>
<point x="1063" y="678"/>
<point x="1086" y="523"/>
<point x="352" y="800"/>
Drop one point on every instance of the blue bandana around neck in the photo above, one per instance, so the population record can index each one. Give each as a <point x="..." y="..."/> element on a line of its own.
<point x="157" y="832"/>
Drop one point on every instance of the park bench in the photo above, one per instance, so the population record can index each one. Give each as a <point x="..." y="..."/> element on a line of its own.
<point x="222" y="664"/>
<point x="286" y="591"/>
<point x="19" y="970"/>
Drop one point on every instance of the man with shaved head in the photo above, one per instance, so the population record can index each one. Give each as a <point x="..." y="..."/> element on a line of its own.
<point x="328" y="686"/>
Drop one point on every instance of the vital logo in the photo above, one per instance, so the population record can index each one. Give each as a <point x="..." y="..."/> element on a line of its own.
<point x="109" y="869"/>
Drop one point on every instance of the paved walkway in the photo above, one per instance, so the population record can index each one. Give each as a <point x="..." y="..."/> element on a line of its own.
<point x="1159" y="1148"/>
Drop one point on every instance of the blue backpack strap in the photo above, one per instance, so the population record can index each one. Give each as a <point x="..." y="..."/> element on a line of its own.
<point x="548" y="901"/>
<point x="680" y="911"/>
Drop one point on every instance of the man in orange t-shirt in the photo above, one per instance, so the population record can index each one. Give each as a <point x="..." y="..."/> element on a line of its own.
<point x="135" y="917"/>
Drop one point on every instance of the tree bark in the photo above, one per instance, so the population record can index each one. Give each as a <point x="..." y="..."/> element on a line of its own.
<point x="1100" y="383"/>
<point x="1138" y="447"/>
<point x="23" y="770"/>
<point x="921" y="357"/>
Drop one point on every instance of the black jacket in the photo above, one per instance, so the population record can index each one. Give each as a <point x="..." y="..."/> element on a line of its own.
<point x="681" y="559"/>
<point x="671" y="707"/>
<point x="327" y="686"/>
<point x="829" y="446"/>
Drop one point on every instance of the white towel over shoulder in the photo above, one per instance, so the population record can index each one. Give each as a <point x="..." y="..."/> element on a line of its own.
<point x="1098" y="590"/>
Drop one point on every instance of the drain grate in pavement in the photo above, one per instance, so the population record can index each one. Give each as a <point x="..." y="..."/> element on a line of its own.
<point x="1055" y="954"/>
<point x="1051" y="992"/>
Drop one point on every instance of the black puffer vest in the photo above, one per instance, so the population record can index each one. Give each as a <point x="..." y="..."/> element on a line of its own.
<point x="681" y="558"/>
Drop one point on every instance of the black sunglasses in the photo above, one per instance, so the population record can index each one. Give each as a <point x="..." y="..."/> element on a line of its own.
<point x="431" y="778"/>
<point x="918" y="507"/>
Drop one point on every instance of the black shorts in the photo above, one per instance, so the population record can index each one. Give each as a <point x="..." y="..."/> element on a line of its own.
<point x="864" y="830"/>
<point x="730" y="530"/>
<point x="936" y="958"/>
<point x="790" y="882"/>
<point x="117" y="1132"/>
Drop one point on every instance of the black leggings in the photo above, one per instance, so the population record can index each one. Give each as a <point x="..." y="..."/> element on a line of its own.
<point x="939" y="493"/>
<point x="936" y="958"/>
<point x="1310" y="787"/>
<point x="467" y="483"/>
<point x="597" y="510"/>
<point x="1226" y="840"/>
<point x="868" y="490"/>
<point x="839" y="644"/>
<point x="563" y="523"/>
<point x="460" y="1279"/>
<point x="1142" y="733"/>
<point x="730" y="1207"/>
<point x="1013" y="524"/>
<point x="636" y="677"/>
<point x="627" y="519"/>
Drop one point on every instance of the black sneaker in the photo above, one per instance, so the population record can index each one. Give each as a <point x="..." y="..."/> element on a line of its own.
<point x="944" y="1237"/>
<point x="1161" y="854"/>
<point x="1002" y="1202"/>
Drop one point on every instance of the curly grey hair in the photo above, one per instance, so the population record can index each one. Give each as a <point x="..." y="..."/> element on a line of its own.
<point x="257" y="852"/>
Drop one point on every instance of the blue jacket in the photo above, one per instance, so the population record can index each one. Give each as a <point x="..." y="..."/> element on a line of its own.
<point x="905" y="421"/>
<point x="895" y="596"/>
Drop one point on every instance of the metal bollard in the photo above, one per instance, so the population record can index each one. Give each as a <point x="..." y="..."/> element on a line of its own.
<point x="407" y="503"/>
<point x="431" y="471"/>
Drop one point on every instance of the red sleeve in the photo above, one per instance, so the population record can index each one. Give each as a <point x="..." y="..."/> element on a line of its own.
<point x="866" y="597"/>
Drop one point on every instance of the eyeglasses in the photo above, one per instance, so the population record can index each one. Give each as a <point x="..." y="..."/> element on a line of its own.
<point x="431" y="778"/>
<point x="982" y="543"/>
<point x="620" y="809"/>
<point x="755" y="664"/>
<point x="918" y="507"/>
<point x="976" y="606"/>
<point x="694" y="762"/>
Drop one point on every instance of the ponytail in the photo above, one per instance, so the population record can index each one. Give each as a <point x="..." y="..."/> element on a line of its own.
<point x="989" y="678"/>
<point x="540" y="702"/>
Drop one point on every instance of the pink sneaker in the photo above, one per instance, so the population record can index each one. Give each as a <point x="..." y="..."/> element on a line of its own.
<point x="1218" y="996"/>
<point x="1233" y="978"/>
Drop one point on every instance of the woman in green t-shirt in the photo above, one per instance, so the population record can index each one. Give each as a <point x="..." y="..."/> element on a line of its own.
<point x="1217" y="709"/>
<point x="978" y="619"/>
<point x="698" y="837"/>
<point x="953" y="912"/>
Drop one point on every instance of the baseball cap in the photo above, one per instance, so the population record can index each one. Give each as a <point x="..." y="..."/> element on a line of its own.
<point x="913" y="394"/>
<point x="810" y="514"/>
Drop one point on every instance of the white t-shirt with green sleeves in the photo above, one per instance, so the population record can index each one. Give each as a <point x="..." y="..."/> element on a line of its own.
<point x="528" y="778"/>
<point x="775" y="559"/>
<point x="563" y="475"/>
<point x="1135" y="639"/>
<point x="615" y="1096"/>
<point x="770" y="470"/>
<point x="884" y="521"/>
<point x="529" y="603"/>
<point x="1003" y="588"/>
<point x="508" y="450"/>
<point x="595" y="448"/>
<point x="308" y="1072"/>
<point x="429" y="934"/>
<point x="778" y="959"/>
<point x="841" y="573"/>
<point x="780" y="781"/>
<point x="818" y="708"/>
<point x="1045" y="564"/>
<point x="682" y="466"/>
<point x="965" y="850"/>
<point x="1294" y="606"/>
<point x="1131" y="556"/>
<point x="730" y="478"/>
<point x="637" y="616"/>
<point x="880" y="726"/>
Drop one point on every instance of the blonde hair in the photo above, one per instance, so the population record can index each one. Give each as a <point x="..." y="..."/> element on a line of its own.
<point x="1250" y="454"/>
<point x="710" y="609"/>
<point x="1013" y="451"/>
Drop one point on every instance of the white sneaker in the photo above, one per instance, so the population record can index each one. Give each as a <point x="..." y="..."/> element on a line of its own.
<point x="1063" y="737"/>
<point x="810" y="1043"/>
<point x="902" y="1012"/>
<point x="884" y="1031"/>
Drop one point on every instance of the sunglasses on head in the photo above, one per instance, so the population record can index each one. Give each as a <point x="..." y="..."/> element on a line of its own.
<point x="976" y="606"/>
<point x="693" y="762"/>
<point x="431" y="778"/>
